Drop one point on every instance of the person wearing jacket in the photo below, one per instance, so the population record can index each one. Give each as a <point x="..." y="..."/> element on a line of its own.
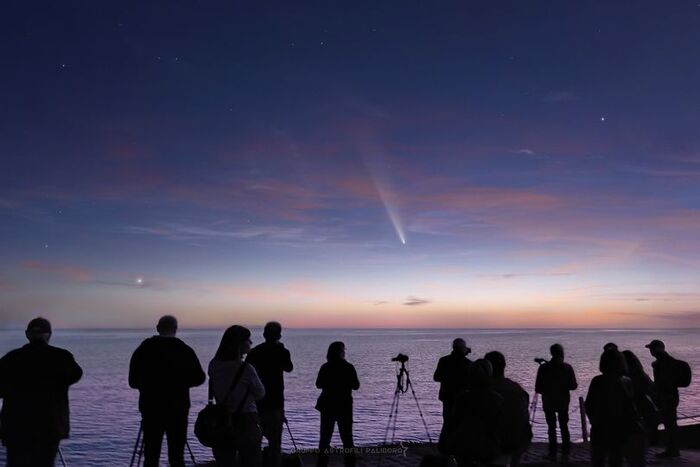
<point x="336" y="379"/>
<point x="240" y="398"/>
<point x="610" y="408"/>
<point x="452" y="373"/>
<point x="516" y="430"/>
<point x="271" y="360"/>
<point x="34" y="382"/>
<point x="163" y="368"/>
<point x="555" y="379"/>
<point x="664" y="367"/>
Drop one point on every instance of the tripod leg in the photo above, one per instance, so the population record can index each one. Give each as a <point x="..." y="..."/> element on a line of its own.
<point x="136" y="445"/>
<point x="396" y="419"/>
<point x="420" y="412"/>
<point x="60" y="454"/>
<point x="389" y="424"/>
<point x="391" y="416"/>
<point x="138" y="461"/>
<point x="194" y="462"/>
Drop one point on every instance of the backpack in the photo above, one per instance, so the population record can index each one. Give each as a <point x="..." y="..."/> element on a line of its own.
<point x="681" y="374"/>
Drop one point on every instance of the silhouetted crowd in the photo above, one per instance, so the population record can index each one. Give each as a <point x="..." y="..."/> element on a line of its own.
<point x="486" y="416"/>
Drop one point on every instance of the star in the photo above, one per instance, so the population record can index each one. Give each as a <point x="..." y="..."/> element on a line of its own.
<point x="139" y="281"/>
<point x="46" y="245"/>
<point x="602" y="119"/>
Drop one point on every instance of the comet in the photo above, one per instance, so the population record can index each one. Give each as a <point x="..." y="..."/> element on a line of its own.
<point x="394" y="218"/>
<point x="387" y="197"/>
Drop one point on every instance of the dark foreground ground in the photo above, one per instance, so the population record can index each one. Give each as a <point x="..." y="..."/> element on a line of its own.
<point x="410" y="455"/>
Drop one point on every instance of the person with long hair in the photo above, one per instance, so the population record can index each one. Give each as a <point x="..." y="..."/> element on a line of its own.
<point x="336" y="379"/>
<point x="236" y="385"/>
<point x="611" y="410"/>
<point x="635" y="450"/>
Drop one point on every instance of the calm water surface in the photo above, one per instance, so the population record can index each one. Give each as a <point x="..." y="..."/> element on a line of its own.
<point x="105" y="418"/>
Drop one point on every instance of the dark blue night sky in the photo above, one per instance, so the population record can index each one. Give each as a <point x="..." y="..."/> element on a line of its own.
<point x="383" y="163"/>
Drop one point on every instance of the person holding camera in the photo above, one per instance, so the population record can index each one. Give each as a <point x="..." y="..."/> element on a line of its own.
<point x="163" y="368"/>
<point x="555" y="380"/>
<point x="34" y="382"/>
<point x="271" y="360"/>
<point x="336" y="379"/>
<point x="452" y="373"/>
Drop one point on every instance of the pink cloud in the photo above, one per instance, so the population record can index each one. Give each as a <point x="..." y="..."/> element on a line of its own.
<point x="65" y="271"/>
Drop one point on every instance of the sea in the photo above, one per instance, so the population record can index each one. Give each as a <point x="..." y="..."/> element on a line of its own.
<point x="105" y="418"/>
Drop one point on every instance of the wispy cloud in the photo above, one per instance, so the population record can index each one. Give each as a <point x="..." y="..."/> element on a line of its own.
<point x="654" y="297"/>
<point x="525" y="151"/>
<point x="514" y="275"/>
<point x="191" y="232"/>
<point x="66" y="271"/>
<point x="416" y="301"/>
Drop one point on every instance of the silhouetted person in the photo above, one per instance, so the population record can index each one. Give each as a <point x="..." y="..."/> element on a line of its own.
<point x="478" y="418"/>
<point x="271" y="360"/>
<point x="517" y="432"/>
<point x="163" y="369"/>
<point x="612" y="412"/>
<point x="555" y="379"/>
<point x="667" y="395"/>
<point x="228" y="367"/>
<point x="610" y="346"/>
<point x="643" y="391"/>
<point x="336" y="379"/>
<point x="452" y="373"/>
<point x="34" y="382"/>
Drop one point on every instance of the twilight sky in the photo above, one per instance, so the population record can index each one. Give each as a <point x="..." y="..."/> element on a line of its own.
<point x="365" y="163"/>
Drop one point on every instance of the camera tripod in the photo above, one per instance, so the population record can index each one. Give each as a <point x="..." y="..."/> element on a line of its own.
<point x="403" y="384"/>
<point x="137" y="453"/>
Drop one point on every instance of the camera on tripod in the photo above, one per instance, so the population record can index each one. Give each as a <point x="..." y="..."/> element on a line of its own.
<point x="401" y="358"/>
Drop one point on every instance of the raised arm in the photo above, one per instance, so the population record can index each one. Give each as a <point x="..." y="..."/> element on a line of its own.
<point x="73" y="372"/>
<point x="287" y="365"/>
<point x="194" y="371"/>
<point x="539" y="382"/>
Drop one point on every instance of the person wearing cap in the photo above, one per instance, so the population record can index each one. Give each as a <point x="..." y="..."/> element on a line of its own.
<point x="667" y="394"/>
<point x="452" y="373"/>
<point x="163" y="368"/>
<point x="271" y="360"/>
<point x="555" y="379"/>
<point x="34" y="382"/>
